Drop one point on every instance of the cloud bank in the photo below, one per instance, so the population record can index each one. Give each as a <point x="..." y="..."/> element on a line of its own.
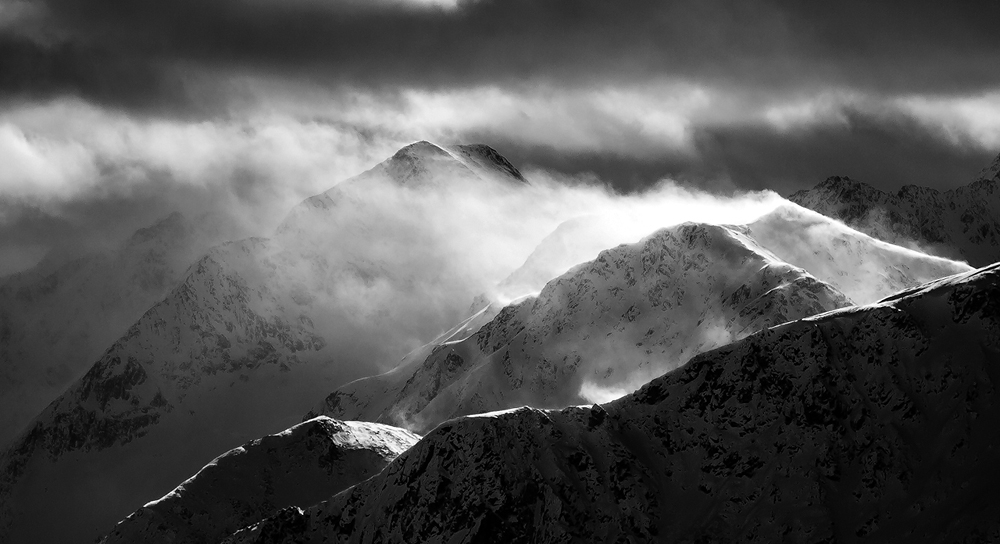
<point x="130" y="108"/>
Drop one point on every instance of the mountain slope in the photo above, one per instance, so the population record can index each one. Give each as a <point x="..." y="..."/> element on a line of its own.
<point x="54" y="322"/>
<point x="607" y="325"/>
<point x="960" y="223"/>
<point x="300" y="466"/>
<point x="869" y="424"/>
<point x="637" y="311"/>
<point x="256" y="331"/>
<point x="863" y="268"/>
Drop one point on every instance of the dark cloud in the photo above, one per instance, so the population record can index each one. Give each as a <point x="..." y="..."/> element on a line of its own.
<point x="176" y="59"/>
<point x="31" y="71"/>
<point x="887" y="149"/>
<point x="920" y="47"/>
<point x="625" y="174"/>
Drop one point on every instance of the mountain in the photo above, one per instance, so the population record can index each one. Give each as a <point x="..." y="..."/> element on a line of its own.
<point x="868" y="424"/>
<point x="961" y="223"/>
<point x="637" y="311"/>
<point x="256" y="331"/>
<point x="56" y="320"/>
<point x="299" y="466"/>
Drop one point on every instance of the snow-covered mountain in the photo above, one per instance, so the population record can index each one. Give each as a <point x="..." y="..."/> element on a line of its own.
<point x="961" y="223"/>
<point x="868" y="424"/>
<point x="256" y="332"/>
<point x="297" y="467"/>
<point x="55" y="321"/>
<point x="637" y="311"/>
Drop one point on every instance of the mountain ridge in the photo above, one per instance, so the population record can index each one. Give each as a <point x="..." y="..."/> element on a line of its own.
<point x="654" y="303"/>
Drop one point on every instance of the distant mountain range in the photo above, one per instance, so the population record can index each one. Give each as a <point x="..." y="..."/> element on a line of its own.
<point x="962" y="223"/>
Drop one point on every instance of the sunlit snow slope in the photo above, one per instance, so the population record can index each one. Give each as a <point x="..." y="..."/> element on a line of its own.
<point x="638" y="310"/>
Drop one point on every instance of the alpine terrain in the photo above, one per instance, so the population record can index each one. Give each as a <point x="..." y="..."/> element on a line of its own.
<point x="874" y="423"/>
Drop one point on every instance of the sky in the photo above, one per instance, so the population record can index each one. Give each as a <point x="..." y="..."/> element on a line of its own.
<point x="115" y="112"/>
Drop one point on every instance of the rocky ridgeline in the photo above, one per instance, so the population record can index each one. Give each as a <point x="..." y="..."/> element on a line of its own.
<point x="962" y="223"/>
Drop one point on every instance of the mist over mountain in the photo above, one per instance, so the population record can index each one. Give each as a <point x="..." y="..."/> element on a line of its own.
<point x="258" y="330"/>
<point x="962" y="223"/>
<point x="637" y="311"/>
<point x="416" y="260"/>
<point x="458" y="271"/>
<point x="868" y="424"/>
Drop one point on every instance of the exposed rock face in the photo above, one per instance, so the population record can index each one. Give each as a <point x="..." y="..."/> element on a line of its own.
<point x="638" y="310"/>
<point x="961" y="223"/>
<point x="869" y="424"/>
<point x="298" y="467"/>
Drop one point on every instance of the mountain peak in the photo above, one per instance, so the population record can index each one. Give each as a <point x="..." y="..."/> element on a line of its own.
<point x="420" y="149"/>
<point x="420" y="161"/>
<point x="840" y="188"/>
<point x="842" y="182"/>
<point x="991" y="172"/>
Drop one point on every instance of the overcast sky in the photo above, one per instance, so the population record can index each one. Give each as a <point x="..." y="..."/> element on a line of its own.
<point x="114" y="112"/>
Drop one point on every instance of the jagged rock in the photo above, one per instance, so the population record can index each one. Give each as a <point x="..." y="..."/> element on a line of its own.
<point x="962" y="223"/>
